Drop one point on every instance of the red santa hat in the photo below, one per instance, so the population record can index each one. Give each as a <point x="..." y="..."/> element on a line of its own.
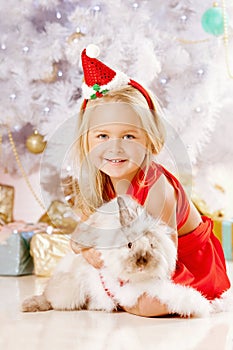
<point x="99" y="79"/>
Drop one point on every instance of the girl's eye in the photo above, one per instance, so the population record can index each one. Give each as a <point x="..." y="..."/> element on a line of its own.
<point x="102" y="136"/>
<point x="128" y="137"/>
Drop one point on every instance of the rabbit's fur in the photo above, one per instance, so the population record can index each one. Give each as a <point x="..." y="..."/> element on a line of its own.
<point x="139" y="256"/>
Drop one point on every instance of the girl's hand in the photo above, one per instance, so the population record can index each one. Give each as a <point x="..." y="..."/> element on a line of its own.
<point x="93" y="257"/>
<point x="75" y="247"/>
<point x="148" y="307"/>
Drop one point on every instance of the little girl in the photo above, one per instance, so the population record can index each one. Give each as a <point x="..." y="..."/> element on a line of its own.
<point x="119" y="132"/>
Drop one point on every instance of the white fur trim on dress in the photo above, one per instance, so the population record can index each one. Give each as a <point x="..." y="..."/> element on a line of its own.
<point x="120" y="79"/>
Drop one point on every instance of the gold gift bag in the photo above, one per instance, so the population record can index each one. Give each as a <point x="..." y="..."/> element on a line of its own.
<point x="61" y="216"/>
<point x="222" y="227"/>
<point x="6" y="203"/>
<point x="47" y="250"/>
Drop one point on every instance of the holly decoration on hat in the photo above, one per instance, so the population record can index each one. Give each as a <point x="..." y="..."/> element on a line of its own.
<point x="99" y="92"/>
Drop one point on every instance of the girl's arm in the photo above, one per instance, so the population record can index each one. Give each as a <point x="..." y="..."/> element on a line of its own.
<point x="91" y="255"/>
<point x="161" y="204"/>
<point x="147" y="307"/>
<point x="77" y="248"/>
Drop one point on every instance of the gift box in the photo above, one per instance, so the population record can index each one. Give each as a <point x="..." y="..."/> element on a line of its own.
<point x="15" y="258"/>
<point x="47" y="250"/>
<point x="6" y="203"/>
<point x="223" y="229"/>
<point x="60" y="216"/>
<point x="203" y="209"/>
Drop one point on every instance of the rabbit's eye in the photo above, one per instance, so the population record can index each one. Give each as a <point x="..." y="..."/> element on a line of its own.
<point x="151" y="245"/>
<point x="130" y="245"/>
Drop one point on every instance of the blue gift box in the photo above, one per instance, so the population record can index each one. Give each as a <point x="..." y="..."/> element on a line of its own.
<point x="15" y="258"/>
<point x="223" y="229"/>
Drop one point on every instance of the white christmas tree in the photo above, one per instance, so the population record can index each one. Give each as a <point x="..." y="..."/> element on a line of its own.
<point x="162" y="45"/>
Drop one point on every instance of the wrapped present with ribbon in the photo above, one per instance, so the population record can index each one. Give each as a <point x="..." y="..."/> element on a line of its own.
<point x="223" y="229"/>
<point x="6" y="203"/>
<point x="15" y="258"/>
<point x="203" y="209"/>
<point x="47" y="249"/>
<point x="60" y="216"/>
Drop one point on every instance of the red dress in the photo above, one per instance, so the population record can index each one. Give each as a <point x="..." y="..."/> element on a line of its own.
<point x="201" y="261"/>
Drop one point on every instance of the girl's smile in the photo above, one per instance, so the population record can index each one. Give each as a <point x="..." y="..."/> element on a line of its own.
<point x="116" y="161"/>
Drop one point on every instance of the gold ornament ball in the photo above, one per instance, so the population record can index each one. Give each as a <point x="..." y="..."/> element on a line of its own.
<point x="75" y="36"/>
<point x="52" y="76"/>
<point x="35" y="143"/>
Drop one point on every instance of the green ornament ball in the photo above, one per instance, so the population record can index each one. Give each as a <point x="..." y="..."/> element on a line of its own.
<point x="212" y="21"/>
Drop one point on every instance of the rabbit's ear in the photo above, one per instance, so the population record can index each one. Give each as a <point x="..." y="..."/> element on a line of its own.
<point x="125" y="217"/>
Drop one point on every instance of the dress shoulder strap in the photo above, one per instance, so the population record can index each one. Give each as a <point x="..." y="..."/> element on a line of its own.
<point x="141" y="183"/>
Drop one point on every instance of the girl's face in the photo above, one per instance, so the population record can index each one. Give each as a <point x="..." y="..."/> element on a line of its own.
<point x="117" y="142"/>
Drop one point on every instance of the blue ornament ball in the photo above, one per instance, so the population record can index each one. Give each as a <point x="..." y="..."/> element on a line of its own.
<point x="212" y="21"/>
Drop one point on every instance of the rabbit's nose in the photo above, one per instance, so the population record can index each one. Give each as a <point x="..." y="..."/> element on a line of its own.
<point x="142" y="260"/>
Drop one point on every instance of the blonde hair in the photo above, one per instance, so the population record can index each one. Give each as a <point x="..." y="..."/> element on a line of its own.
<point x="93" y="184"/>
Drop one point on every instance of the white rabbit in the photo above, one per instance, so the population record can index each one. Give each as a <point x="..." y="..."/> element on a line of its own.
<point x="139" y="256"/>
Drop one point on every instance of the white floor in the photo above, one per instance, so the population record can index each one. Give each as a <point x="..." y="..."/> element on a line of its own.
<point x="102" y="331"/>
